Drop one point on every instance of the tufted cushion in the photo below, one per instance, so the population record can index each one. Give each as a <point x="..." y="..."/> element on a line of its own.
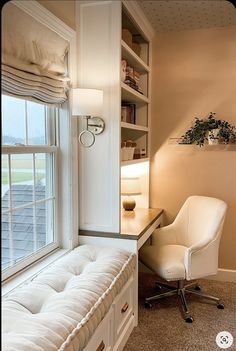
<point x="166" y="260"/>
<point x="61" y="307"/>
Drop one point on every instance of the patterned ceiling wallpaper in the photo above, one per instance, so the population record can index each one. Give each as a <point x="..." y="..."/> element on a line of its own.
<point x="171" y="15"/>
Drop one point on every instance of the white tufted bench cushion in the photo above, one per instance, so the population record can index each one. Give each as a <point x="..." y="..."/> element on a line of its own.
<point x="61" y="307"/>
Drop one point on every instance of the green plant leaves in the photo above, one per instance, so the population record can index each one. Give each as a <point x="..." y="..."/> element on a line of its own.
<point x="198" y="133"/>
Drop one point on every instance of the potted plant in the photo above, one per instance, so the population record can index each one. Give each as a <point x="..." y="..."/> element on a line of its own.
<point x="209" y="130"/>
<point x="227" y="133"/>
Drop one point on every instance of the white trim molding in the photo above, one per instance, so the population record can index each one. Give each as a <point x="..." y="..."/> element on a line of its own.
<point x="134" y="8"/>
<point x="41" y="14"/>
<point x="68" y="155"/>
<point x="224" y="275"/>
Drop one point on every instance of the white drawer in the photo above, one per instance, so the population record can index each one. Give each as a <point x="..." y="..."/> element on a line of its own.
<point x="102" y="338"/>
<point x="124" y="308"/>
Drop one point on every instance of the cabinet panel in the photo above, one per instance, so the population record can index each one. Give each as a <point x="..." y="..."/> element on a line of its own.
<point x="123" y="309"/>
<point x="99" y="68"/>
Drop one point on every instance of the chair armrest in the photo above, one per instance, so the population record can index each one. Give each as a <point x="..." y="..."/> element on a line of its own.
<point x="201" y="260"/>
<point x="164" y="236"/>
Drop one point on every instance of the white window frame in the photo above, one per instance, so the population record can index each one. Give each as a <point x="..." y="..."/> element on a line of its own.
<point x="67" y="158"/>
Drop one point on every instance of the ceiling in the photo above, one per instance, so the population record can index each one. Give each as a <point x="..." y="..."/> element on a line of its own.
<point x="171" y="15"/>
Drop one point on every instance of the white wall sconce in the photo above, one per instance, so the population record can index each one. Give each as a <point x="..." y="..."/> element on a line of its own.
<point x="88" y="103"/>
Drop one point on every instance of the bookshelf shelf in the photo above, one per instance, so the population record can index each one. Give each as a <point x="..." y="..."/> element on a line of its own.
<point x="135" y="55"/>
<point x="134" y="127"/>
<point x="134" y="60"/>
<point x="131" y="95"/>
<point x="132" y="162"/>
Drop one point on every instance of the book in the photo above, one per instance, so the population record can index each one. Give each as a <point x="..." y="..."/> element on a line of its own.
<point x="128" y="113"/>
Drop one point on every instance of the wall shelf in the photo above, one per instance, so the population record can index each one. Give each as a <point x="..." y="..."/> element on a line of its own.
<point x="206" y="147"/>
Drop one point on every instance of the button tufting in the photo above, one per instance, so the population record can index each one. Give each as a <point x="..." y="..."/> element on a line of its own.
<point x="65" y="297"/>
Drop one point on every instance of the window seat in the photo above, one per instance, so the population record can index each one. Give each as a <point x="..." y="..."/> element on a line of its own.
<point x="61" y="308"/>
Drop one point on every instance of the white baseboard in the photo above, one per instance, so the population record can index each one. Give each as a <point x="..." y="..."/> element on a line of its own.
<point x="224" y="275"/>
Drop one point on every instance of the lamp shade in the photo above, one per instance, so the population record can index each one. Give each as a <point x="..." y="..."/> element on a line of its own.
<point x="87" y="102"/>
<point x="130" y="186"/>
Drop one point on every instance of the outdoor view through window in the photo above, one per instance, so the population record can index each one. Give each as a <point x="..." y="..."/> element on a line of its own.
<point x="28" y="179"/>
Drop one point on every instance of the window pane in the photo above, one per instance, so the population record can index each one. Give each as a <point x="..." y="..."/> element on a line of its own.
<point x="5" y="242"/>
<point x="22" y="179"/>
<point x="31" y="229"/>
<point x="44" y="175"/>
<point x="36" y="117"/>
<point x="44" y="223"/>
<point x="40" y="171"/>
<point x="27" y="179"/>
<point x="13" y="120"/>
<point x="5" y="183"/>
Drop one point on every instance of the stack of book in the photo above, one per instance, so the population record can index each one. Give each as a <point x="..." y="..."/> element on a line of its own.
<point x="132" y="77"/>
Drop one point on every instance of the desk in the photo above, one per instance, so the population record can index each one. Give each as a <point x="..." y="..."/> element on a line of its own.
<point x="136" y="227"/>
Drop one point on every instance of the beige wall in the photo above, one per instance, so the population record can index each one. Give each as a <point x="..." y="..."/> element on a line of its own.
<point x="63" y="9"/>
<point x="194" y="73"/>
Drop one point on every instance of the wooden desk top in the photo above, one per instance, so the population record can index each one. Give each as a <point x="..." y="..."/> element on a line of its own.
<point x="133" y="224"/>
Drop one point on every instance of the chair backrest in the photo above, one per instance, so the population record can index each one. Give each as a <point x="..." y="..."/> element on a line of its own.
<point x="199" y="219"/>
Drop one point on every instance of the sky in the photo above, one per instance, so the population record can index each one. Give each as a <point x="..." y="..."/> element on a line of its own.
<point x="13" y="118"/>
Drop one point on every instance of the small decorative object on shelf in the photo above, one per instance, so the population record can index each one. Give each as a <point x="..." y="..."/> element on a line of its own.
<point x="143" y="153"/>
<point x="136" y="48"/>
<point x="129" y="187"/>
<point x="127" y="37"/>
<point x="137" y="153"/>
<point x="209" y="131"/>
<point x="123" y="70"/>
<point x="128" y="112"/>
<point x="127" y="150"/>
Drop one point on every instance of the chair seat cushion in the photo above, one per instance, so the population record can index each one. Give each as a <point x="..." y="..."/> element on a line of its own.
<point x="167" y="260"/>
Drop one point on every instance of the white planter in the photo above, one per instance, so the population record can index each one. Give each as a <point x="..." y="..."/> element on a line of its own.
<point x="213" y="138"/>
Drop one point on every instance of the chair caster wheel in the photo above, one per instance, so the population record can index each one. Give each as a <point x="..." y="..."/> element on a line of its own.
<point x="189" y="319"/>
<point x="158" y="287"/>
<point x="220" y="306"/>
<point x="197" y="288"/>
<point x="147" y="305"/>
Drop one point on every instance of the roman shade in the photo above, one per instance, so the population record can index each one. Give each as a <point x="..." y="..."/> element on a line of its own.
<point x="34" y="58"/>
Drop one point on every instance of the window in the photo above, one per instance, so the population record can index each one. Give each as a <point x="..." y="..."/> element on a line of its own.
<point x="29" y="182"/>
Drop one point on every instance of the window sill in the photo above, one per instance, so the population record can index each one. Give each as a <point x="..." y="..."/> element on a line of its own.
<point x="30" y="272"/>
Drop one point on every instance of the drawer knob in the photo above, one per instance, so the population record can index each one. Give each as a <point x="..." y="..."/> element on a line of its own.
<point x="125" y="307"/>
<point x="101" y="346"/>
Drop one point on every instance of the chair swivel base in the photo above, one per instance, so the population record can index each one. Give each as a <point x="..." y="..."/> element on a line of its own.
<point x="181" y="291"/>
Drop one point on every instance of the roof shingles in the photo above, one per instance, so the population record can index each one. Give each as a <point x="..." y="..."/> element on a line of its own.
<point x="23" y="223"/>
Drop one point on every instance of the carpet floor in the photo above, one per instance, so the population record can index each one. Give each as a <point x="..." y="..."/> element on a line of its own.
<point x="162" y="328"/>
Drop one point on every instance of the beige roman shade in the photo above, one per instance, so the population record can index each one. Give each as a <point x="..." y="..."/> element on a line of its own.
<point x="33" y="58"/>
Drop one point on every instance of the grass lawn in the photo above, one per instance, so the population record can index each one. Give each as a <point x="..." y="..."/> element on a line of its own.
<point x="23" y="163"/>
<point x="20" y="177"/>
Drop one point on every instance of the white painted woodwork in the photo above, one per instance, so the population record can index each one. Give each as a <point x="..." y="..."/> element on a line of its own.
<point x="99" y="67"/>
<point x="100" y="50"/>
<point x="147" y="222"/>
<point x="135" y="21"/>
<point x="67" y="170"/>
<point x="106" y="337"/>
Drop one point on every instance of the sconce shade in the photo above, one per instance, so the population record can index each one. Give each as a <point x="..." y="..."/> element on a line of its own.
<point x="130" y="186"/>
<point x="87" y="102"/>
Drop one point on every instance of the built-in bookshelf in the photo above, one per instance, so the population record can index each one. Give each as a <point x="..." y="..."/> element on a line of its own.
<point x="102" y="48"/>
<point x="135" y="89"/>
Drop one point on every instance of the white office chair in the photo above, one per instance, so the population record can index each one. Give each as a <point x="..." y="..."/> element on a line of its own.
<point x="187" y="249"/>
